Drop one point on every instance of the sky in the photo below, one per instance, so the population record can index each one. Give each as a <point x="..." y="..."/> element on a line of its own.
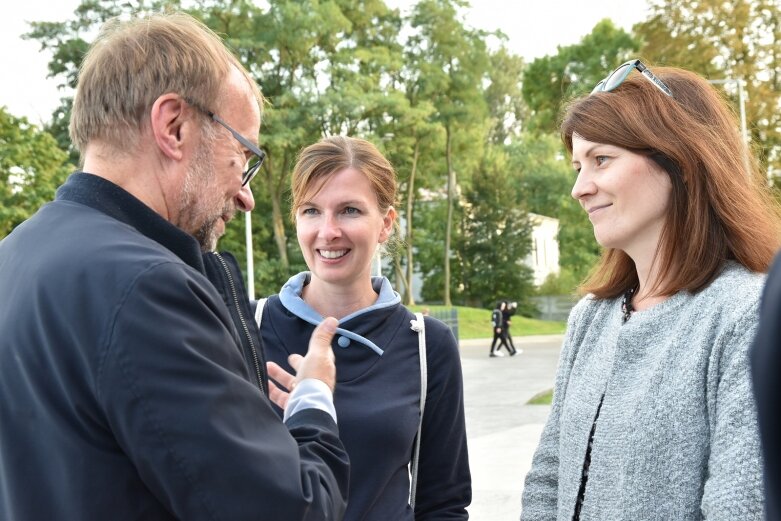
<point x="534" y="28"/>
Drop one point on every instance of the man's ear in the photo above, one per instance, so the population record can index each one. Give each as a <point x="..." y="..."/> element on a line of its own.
<point x="171" y="125"/>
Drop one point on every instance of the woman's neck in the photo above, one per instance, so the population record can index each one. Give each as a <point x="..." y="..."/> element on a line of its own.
<point x="649" y="281"/>
<point x="339" y="301"/>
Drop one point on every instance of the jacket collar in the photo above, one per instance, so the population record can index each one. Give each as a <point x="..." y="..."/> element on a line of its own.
<point x="290" y="297"/>
<point x="104" y="196"/>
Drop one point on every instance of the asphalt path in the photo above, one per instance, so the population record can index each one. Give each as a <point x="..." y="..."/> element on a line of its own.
<point x="502" y="430"/>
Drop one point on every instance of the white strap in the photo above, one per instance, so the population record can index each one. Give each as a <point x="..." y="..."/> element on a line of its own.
<point x="259" y="311"/>
<point x="420" y="326"/>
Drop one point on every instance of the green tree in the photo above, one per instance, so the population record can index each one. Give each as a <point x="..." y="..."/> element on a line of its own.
<point x="496" y="238"/>
<point x="410" y="140"/>
<point x="550" y="81"/>
<point x="504" y="97"/>
<point x="546" y="176"/>
<point x="452" y="59"/>
<point x="32" y="166"/>
<point x="737" y="40"/>
<point x="429" y="217"/>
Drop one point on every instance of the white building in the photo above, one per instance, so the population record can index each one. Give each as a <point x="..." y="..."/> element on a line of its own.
<point x="544" y="256"/>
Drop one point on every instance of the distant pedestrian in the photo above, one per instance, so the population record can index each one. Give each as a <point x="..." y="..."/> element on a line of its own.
<point x="500" y="330"/>
<point x="653" y="415"/>
<point x="509" y="311"/>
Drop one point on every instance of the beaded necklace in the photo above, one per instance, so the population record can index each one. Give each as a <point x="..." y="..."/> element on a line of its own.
<point x="626" y="305"/>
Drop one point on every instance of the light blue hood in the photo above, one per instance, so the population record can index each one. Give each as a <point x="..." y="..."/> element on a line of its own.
<point x="290" y="297"/>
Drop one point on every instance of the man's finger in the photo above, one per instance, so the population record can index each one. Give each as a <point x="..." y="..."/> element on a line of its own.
<point x="323" y="334"/>
<point x="319" y="343"/>
<point x="277" y="395"/>
<point x="295" y="361"/>
<point x="280" y="376"/>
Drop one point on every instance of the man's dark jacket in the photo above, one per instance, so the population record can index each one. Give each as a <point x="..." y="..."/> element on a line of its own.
<point x="126" y="388"/>
<point x="766" y="372"/>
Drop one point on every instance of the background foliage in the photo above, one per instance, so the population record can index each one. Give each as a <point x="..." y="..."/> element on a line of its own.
<point x="470" y="127"/>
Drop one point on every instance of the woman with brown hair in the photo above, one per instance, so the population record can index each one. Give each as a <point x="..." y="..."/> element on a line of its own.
<point x="653" y="415"/>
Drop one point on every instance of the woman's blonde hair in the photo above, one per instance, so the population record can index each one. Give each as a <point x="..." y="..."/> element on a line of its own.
<point x="333" y="154"/>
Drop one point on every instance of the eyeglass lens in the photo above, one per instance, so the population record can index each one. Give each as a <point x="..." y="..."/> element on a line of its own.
<point x="251" y="168"/>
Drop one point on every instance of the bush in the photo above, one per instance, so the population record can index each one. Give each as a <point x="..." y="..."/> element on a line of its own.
<point x="563" y="283"/>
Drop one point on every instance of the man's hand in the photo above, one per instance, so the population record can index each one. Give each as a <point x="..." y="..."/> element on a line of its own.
<point x="318" y="363"/>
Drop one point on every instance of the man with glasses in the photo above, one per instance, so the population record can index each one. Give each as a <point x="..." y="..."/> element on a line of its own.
<point x="131" y="371"/>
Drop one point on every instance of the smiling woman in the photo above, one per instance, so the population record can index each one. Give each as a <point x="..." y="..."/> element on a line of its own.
<point x="653" y="415"/>
<point x="343" y="196"/>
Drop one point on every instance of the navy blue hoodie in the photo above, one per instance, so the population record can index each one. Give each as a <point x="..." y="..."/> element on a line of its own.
<point x="377" y="403"/>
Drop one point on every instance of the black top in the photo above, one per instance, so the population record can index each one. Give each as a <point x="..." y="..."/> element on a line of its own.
<point x="766" y="365"/>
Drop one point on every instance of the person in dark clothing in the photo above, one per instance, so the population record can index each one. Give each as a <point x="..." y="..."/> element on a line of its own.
<point x="130" y="389"/>
<point x="765" y="365"/>
<point x="509" y="310"/>
<point x="498" y="323"/>
<point x="343" y="195"/>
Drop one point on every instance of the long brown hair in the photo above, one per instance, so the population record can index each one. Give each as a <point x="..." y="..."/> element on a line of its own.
<point x="720" y="206"/>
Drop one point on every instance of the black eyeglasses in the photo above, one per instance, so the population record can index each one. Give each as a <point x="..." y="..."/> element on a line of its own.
<point x="253" y="164"/>
<point x="617" y="77"/>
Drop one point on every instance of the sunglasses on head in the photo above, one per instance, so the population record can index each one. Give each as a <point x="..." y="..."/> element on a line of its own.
<point x="617" y="77"/>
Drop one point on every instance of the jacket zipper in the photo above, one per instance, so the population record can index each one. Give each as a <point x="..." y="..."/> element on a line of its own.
<point x="255" y="356"/>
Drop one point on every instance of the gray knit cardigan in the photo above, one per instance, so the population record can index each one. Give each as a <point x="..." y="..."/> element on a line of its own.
<point x="677" y="435"/>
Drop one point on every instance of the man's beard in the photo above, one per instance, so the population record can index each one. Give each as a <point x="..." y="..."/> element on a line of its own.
<point x="198" y="213"/>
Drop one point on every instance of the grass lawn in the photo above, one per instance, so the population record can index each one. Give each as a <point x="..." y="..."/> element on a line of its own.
<point x="476" y="323"/>
<point x="543" y="398"/>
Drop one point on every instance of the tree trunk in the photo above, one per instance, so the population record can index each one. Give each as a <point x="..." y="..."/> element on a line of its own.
<point x="409" y="238"/>
<point x="451" y="181"/>
<point x="279" y="229"/>
<point x="276" y="217"/>
<point x="400" y="275"/>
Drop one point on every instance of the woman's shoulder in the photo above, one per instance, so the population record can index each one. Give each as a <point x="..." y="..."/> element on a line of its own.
<point x="438" y="334"/>
<point x="735" y="276"/>
<point x="587" y="308"/>
<point x="736" y="288"/>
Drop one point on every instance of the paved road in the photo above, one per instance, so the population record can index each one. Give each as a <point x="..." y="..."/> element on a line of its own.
<point x="502" y="430"/>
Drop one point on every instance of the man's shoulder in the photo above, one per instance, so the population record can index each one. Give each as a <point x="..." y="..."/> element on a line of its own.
<point x="99" y="236"/>
<point x="66" y="240"/>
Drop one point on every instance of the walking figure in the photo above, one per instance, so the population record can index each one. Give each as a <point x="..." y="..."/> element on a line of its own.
<point x="500" y="331"/>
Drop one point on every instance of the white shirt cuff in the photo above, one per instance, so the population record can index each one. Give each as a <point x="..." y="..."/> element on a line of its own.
<point x="310" y="393"/>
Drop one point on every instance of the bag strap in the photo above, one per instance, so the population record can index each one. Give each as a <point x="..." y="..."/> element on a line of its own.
<point x="259" y="311"/>
<point x="420" y="326"/>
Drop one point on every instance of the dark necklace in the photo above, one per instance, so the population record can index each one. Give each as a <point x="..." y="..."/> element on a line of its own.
<point x="626" y="305"/>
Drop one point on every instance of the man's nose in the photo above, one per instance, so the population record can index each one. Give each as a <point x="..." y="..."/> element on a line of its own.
<point x="245" y="201"/>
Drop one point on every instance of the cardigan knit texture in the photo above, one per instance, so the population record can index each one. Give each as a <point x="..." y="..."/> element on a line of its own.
<point x="677" y="434"/>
